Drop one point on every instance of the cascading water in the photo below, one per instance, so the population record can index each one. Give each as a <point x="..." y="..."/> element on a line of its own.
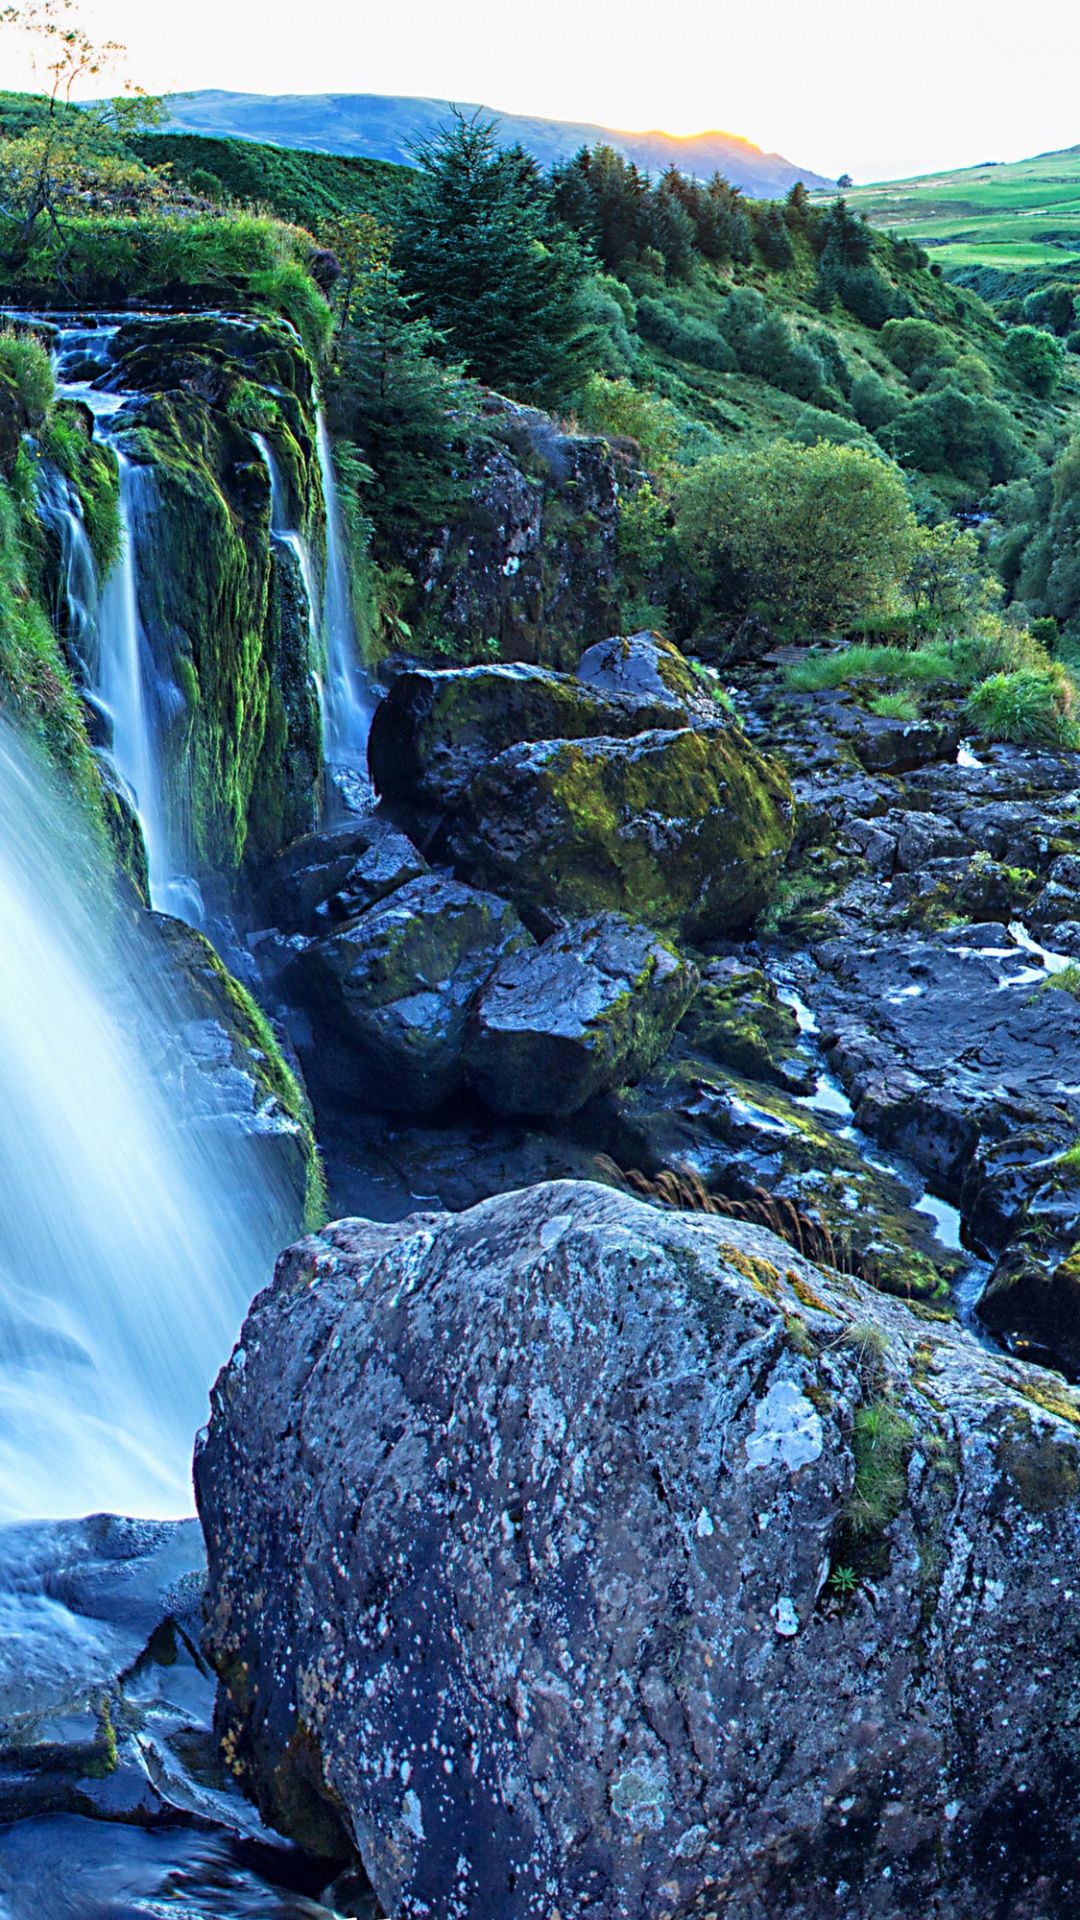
<point x="128" y="1252"/>
<point x="122" y="679"/>
<point x="347" y="706"/>
<point x="344" y="695"/>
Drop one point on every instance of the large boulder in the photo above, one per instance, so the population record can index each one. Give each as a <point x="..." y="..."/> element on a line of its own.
<point x="571" y="1556"/>
<point x="595" y="1006"/>
<point x="439" y="727"/>
<point x="389" y="993"/>
<point x="686" y="830"/>
<point x="574" y="800"/>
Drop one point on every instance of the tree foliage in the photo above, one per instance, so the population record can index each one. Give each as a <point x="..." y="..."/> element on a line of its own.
<point x="500" y="277"/>
<point x="67" y="157"/>
<point x="816" y="535"/>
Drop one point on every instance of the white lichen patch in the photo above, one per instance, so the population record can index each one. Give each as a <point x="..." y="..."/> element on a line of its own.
<point x="787" y="1429"/>
<point x="640" y="1793"/>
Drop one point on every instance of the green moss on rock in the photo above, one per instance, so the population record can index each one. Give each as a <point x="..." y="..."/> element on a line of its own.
<point x="685" y="830"/>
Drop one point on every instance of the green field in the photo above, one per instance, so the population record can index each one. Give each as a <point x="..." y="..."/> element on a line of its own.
<point x="1015" y="217"/>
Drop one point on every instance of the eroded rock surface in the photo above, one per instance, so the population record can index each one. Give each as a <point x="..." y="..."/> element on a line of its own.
<point x="566" y="1555"/>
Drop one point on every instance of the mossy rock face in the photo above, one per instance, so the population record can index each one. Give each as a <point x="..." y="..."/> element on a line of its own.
<point x="244" y="1077"/>
<point x="437" y="730"/>
<point x="594" y="1007"/>
<point x="686" y="831"/>
<point x="737" y="1020"/>
<point x="389" y="993"/>
<point x="222" y="602"/>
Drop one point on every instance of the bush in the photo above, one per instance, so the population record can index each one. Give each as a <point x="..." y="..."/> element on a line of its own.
<point x="621" y="411"/>
<point x="1035" y="359"/>
<point x="873" y="403"/>
<point x="818" y="535"/>
<point x="26" y="365"/>
<point x="684" y="336"/>
<point x="962" y="434"/>
<point x="911" y="344"/>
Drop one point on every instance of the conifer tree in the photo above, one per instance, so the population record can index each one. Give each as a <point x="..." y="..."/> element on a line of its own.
<point x="498" y="274"/>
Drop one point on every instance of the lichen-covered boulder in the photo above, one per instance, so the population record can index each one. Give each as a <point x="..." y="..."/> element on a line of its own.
<point x="642" y="664"/>
<point x="595" y="1006"/>
<point x="389" y="993"/>
<point x="569" y="1556"/>
<point x="685" y="830"/>
<point x="438" y="728"/>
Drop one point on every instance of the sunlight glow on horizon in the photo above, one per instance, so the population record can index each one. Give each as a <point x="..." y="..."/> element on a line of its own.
<point x="859" y="90"/>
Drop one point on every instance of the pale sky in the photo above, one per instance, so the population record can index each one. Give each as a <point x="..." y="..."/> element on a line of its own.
<point x="872" y="89"/>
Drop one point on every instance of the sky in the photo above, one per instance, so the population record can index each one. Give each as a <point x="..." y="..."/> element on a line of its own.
<point x="878" y="91"/>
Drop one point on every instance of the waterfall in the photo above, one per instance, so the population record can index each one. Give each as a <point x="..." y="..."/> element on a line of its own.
<point x="345" y="698"/>
<point x="127" y="1250"/>
<point x="347" y="705"/>
<point x="121" y="677"/>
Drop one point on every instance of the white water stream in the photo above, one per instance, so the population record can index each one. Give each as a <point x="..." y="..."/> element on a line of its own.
<point x="128" y="1252"/>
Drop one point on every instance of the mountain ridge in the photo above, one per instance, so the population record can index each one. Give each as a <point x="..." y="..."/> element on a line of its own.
<point x="390" y="126"/>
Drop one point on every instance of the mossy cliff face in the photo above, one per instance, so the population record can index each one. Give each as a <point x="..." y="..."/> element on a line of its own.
<point x="221" y="602"/>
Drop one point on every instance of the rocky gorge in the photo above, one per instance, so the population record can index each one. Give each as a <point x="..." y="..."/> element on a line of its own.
<point x="656" y="1495"/>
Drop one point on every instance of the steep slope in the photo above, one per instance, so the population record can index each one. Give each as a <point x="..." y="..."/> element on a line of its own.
<point x="389" y="127"/>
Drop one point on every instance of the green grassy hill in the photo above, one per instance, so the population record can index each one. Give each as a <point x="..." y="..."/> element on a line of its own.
<point x="1013" y="218"/>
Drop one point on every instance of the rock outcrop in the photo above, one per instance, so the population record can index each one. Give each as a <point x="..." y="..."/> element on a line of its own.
<point x="567" y="1555"/>
<point x="533" y="563"/>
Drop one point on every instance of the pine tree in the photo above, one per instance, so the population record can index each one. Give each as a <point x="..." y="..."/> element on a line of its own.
<point x="497" y="273"/>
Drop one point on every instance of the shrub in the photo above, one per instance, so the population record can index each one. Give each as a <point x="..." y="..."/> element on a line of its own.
<point x="684" y="336"/>
<point x="962" y="434"/>
<point x="818" y="535"/>
<point x="1035" y="359"/>
<point x="622" y="411"/>
<point x="911" y="344"/>
<point x="873" y="403"/>
<point x="26" y="365"/>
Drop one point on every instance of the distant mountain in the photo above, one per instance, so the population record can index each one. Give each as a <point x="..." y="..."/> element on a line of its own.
<point x="389" y="127"/>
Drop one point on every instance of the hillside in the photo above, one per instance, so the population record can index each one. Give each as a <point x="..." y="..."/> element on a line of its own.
<point x="389" y="127"/>
<point x="1014" y="217"/>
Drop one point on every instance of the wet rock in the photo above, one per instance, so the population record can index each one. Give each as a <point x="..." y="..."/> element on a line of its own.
<point x="325" y="878"/>
<point x="593" y="1007"/>
<point x="895" y="746"/>
<point x="113" y="1789"/>
<point x="438" y="729"/>
<point x="737" y="1020"/>
<point x="530" y="1532"/>
<point x="644" y="665"/>
<point x="389" y="993"/>
<point x="236" y="1080"/>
